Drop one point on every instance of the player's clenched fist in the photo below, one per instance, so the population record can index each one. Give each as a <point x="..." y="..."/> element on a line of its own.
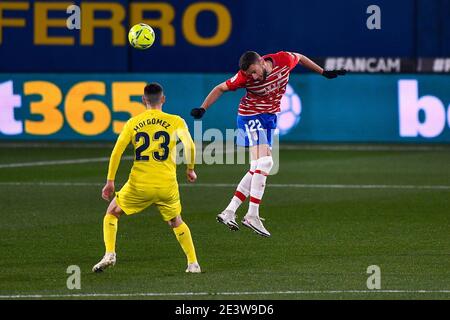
<point x="197" y="113"/>
<point x="191" y="175"/>
<point x="108" y="190"/>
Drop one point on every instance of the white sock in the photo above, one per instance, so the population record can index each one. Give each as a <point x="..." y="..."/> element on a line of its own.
<point x="243" y="189"/>
<point x="258" y="184"/>
<point x="256" y="192"/>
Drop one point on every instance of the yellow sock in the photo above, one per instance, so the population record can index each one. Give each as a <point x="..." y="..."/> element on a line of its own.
<point x="109" y="232"/>
<point x="183" y="235"/>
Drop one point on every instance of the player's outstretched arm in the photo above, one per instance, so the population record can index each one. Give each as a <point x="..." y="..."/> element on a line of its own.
<point x="311" y="65"/>
<point x="212" y="97"/>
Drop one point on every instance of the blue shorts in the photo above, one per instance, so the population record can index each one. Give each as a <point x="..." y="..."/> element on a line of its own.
<point x="256" y="130"/>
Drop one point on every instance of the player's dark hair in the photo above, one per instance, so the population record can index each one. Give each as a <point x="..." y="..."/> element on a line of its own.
<point x="153" y="93"/>
<point x="247" y="59"/>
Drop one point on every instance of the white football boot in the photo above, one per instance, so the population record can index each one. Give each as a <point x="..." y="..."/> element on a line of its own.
<point x="193" y="268"/>
<point x="109" y="260"/>
<point x="228" y="218"/>
<point x="254" y="222"/>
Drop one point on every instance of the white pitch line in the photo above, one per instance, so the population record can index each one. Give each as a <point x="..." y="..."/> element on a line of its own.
<point x="57" y="162"/>
<point x="174" y="294"/>
<point x="231" y="185"/>
<point x="328" y="186"/>
<point x="53" y="184"/>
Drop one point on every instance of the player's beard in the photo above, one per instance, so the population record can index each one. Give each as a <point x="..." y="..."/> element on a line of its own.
<point x="265" y="74"/>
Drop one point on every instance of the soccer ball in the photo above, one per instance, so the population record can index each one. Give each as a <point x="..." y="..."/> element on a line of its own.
<point x="141" y="36"/>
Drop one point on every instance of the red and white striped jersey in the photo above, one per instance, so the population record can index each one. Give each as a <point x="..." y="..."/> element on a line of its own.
<point x="264" y="96"/>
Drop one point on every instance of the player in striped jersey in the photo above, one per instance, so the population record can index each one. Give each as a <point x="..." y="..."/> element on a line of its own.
<point x="265" y="79"/>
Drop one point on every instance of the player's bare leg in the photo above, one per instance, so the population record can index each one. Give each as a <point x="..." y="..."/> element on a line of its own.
<point x="110" y="223"/>
<point x="258" y="185"/>
<point x="183" y="235"/>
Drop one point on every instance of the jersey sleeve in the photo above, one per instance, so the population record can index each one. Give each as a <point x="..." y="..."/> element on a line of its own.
<point x="188" y="144"/>
<point x="121" y="144"/>
<point x="236" y="82"/>
<point x="288" y="58"/>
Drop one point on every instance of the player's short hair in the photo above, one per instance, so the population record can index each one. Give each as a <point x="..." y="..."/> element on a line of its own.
<point x="153" y="93"/>
<point x="247" y="59"/>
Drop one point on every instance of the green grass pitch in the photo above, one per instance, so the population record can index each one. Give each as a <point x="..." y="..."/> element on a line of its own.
<point x="338" y="218"/>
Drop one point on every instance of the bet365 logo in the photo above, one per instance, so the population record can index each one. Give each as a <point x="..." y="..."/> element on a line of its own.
<point x="420" y="116"/>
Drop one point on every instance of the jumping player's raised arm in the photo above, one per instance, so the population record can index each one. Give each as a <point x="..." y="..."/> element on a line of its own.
<point x="212" y="97"/>
<point x="311" y="65"/>
<point x="121" y="144"/>
<point x="232" y="84"/>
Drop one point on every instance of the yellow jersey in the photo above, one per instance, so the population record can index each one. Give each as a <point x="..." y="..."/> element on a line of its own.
<point x="154" y="135"/>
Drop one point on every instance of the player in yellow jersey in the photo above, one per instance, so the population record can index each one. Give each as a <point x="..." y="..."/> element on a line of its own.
<point x="152" y="180"/>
